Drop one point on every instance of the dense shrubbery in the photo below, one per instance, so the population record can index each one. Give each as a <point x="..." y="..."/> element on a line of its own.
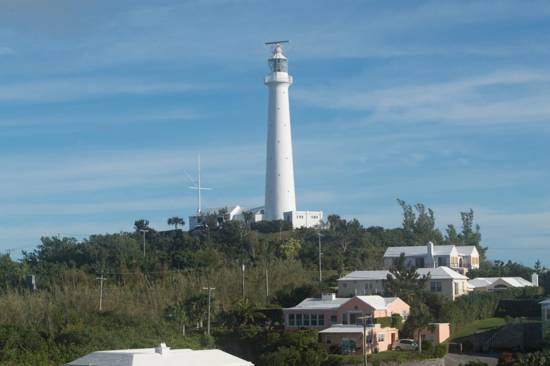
<point x="477" y="306"/>
<point x="534" y="359"/>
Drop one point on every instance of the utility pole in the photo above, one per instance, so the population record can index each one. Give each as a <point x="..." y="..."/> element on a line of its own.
<point x="243" y="268"/>
<point x="365" y="318"/>
<point x="209" y="289"/>
<point x="143" y="231"/>
<point x="320" y="267"/>
<point x="101" y="279"/>
<point x="266" y="284"/>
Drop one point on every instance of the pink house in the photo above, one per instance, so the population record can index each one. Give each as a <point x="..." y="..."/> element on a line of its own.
<point x="329" y="310"/>
<point x="375" y="306"/>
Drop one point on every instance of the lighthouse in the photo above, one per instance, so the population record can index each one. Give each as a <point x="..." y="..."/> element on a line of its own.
<point x="280" y="196"/>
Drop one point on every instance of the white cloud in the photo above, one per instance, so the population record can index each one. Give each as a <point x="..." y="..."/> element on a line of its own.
<point x="469" y="100"/>
<point x="71" y="89"/>
<point x="6" y="51"/>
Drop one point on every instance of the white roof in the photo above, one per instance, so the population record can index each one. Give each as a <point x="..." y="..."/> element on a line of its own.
<point x="365" y="275"/>
<point x="377" y="302"/>
<point x="441" y="273"/>
<point x="465" y="250"/>
<point x="421" y="250"/>
<point x="152" y="357"/>
<point x="545" y="302"/>
<point x="344" y="329"/>
<point x="317" y="303"/>
<point x="438" y="273"/>
<point x="488" y="281"/>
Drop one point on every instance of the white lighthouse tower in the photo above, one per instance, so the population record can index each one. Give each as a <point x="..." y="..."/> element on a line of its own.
<point x="280" y="196"/>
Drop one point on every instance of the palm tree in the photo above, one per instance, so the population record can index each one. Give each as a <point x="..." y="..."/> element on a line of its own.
<point x="176" y="221"/>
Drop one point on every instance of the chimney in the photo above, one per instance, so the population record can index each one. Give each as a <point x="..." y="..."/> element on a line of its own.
<point x="535" y="279"/>
<point x="162" y="349"/>
<point x="328" y="297"/>
<point x="430" y="247"/>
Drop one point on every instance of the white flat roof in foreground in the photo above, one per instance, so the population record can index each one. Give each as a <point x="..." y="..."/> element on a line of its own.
<point x="152" y="357"/>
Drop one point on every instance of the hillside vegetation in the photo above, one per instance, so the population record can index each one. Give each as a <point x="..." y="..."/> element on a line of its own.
<point x="161" y="296"/>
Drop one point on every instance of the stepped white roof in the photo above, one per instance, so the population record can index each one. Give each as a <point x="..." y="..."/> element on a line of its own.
<point x="438" y="273"/>
<point x="365" y="275"/>
<point x="375" y="301"/>
<point x="160" y="356"/>
<point x="422" y="250"/>
<point x="480" y="282"/>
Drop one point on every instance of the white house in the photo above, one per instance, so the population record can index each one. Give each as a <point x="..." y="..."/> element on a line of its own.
<point x="160" y="356"/>
<point x="443" y="280"/>
<point x="230" y="213"/>
<point x="459" y="258"/>
<point x="491" y="284"/>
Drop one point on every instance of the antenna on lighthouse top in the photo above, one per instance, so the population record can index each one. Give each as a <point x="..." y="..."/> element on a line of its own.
<point x="276" y="42"/>
<point x="199" y="188"/>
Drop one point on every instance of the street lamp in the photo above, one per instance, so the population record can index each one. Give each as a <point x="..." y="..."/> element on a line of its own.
<point x="143" y="231"/>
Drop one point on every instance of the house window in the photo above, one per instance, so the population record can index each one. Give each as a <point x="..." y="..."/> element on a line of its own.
<point x="321" y="319"/>
<point x="306" y="320"/>
<point x="435" y="286"/>
<point x="547" y="314"/>
<point x="456" y="288"/>
<point x="298" y="320"/>
<point x="291" y="321"/>
<point x="442" y="261"/>
<point x="327" y="339"/>
<point x="381" y="337"/>
<point x="419" y="262"/>
<point x="345" y="318"/>
<point x="345" y="285"/>
<point x="313" y="320"/>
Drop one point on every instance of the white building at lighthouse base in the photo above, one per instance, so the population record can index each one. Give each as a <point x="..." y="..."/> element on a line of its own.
<point x="304" y="219"/>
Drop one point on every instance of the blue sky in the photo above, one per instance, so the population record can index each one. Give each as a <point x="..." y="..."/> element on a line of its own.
<point x="105" y="105"/>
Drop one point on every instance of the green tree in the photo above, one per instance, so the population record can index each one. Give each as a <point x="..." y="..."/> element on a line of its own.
<point x="419" y="319"/>
<point x="405" y="282"/>
<point x="141" y="224"/>
<point x="289" y="249"/>
<point x="178" y="314"/>
<point x="471" y="235"/>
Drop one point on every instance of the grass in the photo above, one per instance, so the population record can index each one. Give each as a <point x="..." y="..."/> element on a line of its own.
<point x="478" y="325"/>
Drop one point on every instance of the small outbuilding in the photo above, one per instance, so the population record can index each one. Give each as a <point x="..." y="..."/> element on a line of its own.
<point x="348" y="339"/>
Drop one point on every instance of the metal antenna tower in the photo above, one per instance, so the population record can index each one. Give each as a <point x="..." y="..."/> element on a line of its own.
<point x="199" y="188"/>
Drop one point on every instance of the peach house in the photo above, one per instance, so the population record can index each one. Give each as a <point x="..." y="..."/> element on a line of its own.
<point x="324" y="312"/>
<point x="348" y="339"/>
<point x="436" y="333"/>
